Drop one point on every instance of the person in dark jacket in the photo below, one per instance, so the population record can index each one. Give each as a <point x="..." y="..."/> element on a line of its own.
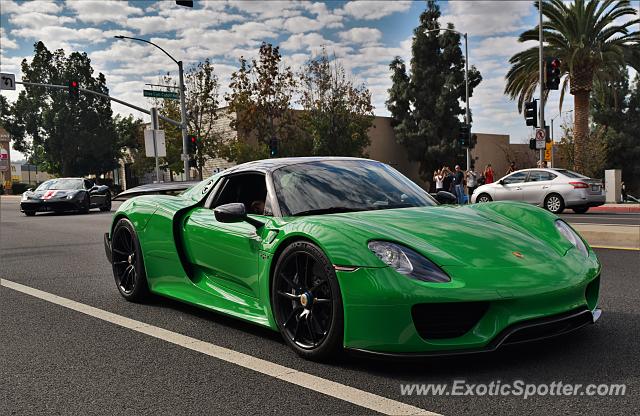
<point x="458" y="184"/>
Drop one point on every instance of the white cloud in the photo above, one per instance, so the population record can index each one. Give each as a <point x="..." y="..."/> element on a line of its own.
<point x="481" y="18"/>
<point x="373" y="10"/>
<point x="36" y="20"/>
<point x="103" y="10"/>
<point x="498" y="46"/>
<point x="5" y="41"/>
<point x="10" y="7"/>
<point x="361" y="35"/>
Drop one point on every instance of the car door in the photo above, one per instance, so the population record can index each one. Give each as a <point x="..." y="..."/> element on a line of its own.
<point x="226" y="254"/>
<point x="509" y="188"/>
<point x="94" y="198"/>
<point x="537" y="186"/>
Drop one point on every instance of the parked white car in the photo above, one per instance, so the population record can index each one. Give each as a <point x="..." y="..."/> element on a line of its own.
<point x="553" y="189"/>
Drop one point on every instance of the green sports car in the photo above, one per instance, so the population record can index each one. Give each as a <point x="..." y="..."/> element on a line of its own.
<point x="348" y="253"/>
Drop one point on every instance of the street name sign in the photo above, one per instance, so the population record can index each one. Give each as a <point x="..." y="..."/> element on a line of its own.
<point x="7" y="81"/>
<point x="161" y="145"/>
<point x="540" y="141"/>
<point x="161" y="94"/>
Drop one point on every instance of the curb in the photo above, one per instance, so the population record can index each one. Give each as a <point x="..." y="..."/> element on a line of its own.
<point x="617" y="209"/>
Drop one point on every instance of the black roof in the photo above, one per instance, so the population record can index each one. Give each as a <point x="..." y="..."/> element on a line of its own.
<point x="269" y="165"/>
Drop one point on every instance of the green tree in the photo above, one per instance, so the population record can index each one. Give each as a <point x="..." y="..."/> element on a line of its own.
<point x="590" y="45"/>
<point x="336" y="113"/>
<point x="77" y="136"/>
<point x="425" y="104"/>
<point x="259" y="105"/>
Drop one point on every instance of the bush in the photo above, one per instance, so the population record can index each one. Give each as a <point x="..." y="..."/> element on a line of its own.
<point x="18" y="188"/>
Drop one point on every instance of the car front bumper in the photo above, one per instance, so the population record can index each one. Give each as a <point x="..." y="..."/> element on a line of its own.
<point x="41" y="205"/>
<point x="384" y="311"/>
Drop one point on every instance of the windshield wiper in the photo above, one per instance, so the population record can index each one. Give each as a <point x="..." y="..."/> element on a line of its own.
<point x="329" y="210"/>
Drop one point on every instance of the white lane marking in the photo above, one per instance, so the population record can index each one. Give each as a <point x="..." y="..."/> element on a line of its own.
<point x="608" y="225"/>
<point x="617" y="248"/>
<point x="330" y="388"/>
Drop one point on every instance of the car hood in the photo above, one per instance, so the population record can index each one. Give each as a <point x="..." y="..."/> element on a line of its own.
<point x="485" y="235"/>
<point x="50" y="194"/>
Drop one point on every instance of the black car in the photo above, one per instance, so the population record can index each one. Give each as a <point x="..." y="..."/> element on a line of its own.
<point x="66" y="194"/>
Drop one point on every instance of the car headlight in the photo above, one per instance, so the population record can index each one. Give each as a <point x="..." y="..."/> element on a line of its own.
<point x="573" y="237"/>
<point x="407" y="262"/>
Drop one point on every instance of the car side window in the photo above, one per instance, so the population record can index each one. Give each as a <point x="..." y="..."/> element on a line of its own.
<point x="87" y="184"/>
<point x="249" y="189"/>
<point x="540" y="175"/>
<point x="517" y="177"/>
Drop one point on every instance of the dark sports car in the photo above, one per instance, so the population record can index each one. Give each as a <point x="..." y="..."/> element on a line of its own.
<point x="66" y="194"/>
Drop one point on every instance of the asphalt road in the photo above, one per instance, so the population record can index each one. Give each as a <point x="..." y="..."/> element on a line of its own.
<point x="602" y="218"/>
<point x="56" y="360"/>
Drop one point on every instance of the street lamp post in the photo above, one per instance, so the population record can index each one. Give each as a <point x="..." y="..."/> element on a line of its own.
<point x="553" y="138"/>
<point x="183" y="110"/>
<point x="466" y="82"/>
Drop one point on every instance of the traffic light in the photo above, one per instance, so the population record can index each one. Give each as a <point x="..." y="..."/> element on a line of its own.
<point x="531" y="113"/>
<point x="273" y="147"/>
<point x="193" y="144"/>
<point x="74" y="89"/>
<point x="552" y="73"/>
<point x="463" y="137"/>
<point x="532" y="144"/>
<point x="473" y="141"/>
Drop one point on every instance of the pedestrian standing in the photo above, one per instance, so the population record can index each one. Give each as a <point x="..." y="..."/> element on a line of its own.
<point x="447" y="180"/>
<point x="512" y="168"/>
<point x="437" y="178"/>
<point x="458" y="181"/>
<point x="488" y="174"/>
<point x="472" y="181"/>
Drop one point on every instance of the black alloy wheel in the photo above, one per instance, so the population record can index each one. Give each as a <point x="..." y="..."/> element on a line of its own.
<point x="128" y="265"/>
<point x="86" y="204"/>
<point x="307" y="303"/>
<point x="107" y="203"/>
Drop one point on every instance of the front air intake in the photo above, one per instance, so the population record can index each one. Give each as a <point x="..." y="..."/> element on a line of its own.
<point x="447" y="320"/>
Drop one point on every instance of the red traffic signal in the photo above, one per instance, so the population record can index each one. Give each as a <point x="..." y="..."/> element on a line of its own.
<point x="553" y="72"/>
<point x="74" y="89"/>
<point x="193" y="144"/>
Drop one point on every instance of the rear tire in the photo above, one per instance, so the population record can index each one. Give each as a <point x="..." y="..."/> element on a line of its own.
<point x="483" y="197"/>
<point x="128" y="263"/>
<point x="86" y="204"/>
<point x="554" y="203"/>
<point x="107" y="203"/>
<point x="581" y="210"/>
<point x="30" y="213"/>
<point x="306" y="302"/>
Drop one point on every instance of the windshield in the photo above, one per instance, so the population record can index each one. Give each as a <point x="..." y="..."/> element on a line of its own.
<point x="68" y="184"/>
<point x="343" y="186"/>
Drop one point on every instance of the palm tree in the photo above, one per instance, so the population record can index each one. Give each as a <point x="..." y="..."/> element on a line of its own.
<point x="591" y="47"/>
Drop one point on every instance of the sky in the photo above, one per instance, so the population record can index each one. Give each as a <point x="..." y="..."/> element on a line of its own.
<point x="364" y="35"/>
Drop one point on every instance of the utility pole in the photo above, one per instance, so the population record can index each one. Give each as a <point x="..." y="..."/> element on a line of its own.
<point x="467" y="116"/>
<point x="183" y="115"/>
<point x="155" y="126"/>
<point x="541" y="70"/>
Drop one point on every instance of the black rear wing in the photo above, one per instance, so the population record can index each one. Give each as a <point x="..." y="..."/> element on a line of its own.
<point x="162" y="188"/>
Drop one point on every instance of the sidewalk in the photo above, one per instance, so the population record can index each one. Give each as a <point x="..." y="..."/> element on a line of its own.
<point x="617" y="208"/>
<point x="610" y="236"/>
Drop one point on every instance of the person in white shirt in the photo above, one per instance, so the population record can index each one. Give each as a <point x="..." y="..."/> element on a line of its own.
<point x="438" y="177"/>
<point x="472" y="181"/>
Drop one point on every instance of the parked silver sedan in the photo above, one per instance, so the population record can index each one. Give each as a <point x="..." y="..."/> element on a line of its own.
<point x="553" y="189"/>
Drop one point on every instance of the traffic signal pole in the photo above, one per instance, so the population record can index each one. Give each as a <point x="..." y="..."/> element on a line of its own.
<point x="467" y="117"/>
<point x="541" y="70"/>
<point x="183" y="126"/>
<point x="155" y="125"/>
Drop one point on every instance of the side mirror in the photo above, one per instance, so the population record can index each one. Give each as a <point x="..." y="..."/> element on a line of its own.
<point x="234" y="212"/>
<point x="29" y="189"/>
<point x="446" y="198"/>
<point x="501" y="181"/>
<point x="94" y="188"/>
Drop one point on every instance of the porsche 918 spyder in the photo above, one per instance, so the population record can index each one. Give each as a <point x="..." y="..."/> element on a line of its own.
<point x="66" y="194"/>
<point x="348" y="253"/>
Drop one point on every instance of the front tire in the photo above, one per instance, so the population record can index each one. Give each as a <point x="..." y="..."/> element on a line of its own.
<point x="554" y="203"/>
<point x="306" y="302"/>
<point x="483" y="198"/>
<point x="128" y="263"/>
